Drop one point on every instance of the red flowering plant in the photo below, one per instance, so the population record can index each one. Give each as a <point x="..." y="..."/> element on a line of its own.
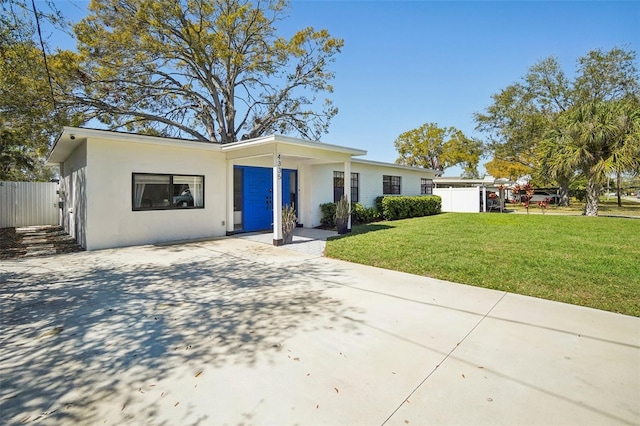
<point x="525" y="192"/>
<point x="544" y="204"/>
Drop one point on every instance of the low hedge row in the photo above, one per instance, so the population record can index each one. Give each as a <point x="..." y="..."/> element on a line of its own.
<point x="387" y="207"/>
<point x="403" y="207"/>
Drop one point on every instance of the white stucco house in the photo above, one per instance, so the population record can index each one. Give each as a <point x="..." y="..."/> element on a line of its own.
<point x="121" y="189"/>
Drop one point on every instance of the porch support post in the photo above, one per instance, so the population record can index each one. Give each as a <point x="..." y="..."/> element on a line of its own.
<point x="347" y="187"/>
<point x="484" y="198"/>
<point x="230" y="199"/>
<point x="277" y="199"/>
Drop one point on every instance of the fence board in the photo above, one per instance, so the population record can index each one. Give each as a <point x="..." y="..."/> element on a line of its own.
<point x="464" y="200"/>
<point x="28" y="204"/>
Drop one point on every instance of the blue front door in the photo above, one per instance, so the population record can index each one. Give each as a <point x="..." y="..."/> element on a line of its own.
<point x="257" y="199"/>
<point x="257" y="196"/>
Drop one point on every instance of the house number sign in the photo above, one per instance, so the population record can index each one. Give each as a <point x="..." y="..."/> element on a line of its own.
<point x="279" y="165"/>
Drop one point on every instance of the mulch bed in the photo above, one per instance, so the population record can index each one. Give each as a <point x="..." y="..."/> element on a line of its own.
<point x="12" y="245"/>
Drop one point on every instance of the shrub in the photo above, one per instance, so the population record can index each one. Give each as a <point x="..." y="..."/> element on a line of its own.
<point x="402" y="207"/>
<point x="359" y="214"/>
<point x="328" y="219"/>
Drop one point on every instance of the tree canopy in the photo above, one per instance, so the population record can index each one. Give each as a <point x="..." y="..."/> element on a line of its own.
<point x="524" y="116"/>
<point x="29" y="119"/>
<point x="596" y="139"/>
<point x="213" y="70"/>
<point x="438" y="148"/>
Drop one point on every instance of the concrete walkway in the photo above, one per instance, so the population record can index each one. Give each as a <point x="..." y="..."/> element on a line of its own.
<point x="231" y="331"/>
<point x="309" y="241"/>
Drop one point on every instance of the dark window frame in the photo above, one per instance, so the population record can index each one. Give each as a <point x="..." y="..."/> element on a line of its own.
<point x="426" y="186"/>
<point x="391" y="185"/>
<point x="338" y="186"/>
<point x="355" y="188"/>
<point x="171" y="184"/>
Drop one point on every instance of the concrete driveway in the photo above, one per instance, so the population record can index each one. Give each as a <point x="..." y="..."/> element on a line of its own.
<point x="236" y="332"/>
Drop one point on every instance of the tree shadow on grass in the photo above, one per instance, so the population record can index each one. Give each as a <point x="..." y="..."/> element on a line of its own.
<point x="75" y="336"/>
<point x="361" y="229"/>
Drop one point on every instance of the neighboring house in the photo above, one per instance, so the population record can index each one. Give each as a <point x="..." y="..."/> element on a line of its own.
<point x="120" y="189"/>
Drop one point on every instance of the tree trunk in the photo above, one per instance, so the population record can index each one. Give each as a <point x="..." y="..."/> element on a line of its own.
<point x="563" y="192"/>
<point x="593" y="198"/>
<point x="618" y="189"/>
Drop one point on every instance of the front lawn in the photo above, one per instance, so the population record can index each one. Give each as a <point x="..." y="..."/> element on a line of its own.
<point x="607" y="207"/>
<point x="588" y="261"/>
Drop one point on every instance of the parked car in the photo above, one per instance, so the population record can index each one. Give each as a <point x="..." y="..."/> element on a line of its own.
<point x="544" y="195"/>
<point x="185" y="199"/>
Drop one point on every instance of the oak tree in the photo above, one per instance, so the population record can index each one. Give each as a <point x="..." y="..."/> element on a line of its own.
<point x="213" y="70"/>
<point x="437" y="148"/>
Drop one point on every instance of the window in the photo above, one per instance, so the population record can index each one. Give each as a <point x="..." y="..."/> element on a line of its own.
<point x="338" y="186"/>
<point x="426" y="186"/>
<point x="166" y="192"/>
<point x="355" y="185"/>
<point x="390" y="185"/>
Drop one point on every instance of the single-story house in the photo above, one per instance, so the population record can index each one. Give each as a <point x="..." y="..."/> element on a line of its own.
<point x="120" y="189"/>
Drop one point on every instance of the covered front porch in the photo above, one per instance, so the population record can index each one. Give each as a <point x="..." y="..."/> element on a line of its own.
<point x="308" y="241"/>
<point x="267" y="173"/>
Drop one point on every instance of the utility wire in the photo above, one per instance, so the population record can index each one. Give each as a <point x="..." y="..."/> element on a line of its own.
<point x="44" y="53"/>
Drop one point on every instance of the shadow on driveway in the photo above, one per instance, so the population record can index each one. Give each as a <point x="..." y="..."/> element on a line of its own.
<point x="76" y="335"/>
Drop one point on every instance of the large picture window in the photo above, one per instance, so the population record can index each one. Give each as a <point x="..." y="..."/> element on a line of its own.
<point x="167" y="192"/>
<point x="391" y="185"/>
<point x="338" y="186"/>
<point x="426" y="186"/>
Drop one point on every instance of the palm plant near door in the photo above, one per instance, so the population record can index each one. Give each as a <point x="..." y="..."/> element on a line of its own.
<point x="343" y="210"/>
<point x="289" y="222"/>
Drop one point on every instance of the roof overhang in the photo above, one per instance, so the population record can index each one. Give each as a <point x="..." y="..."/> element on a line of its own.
<point x="392" y="165"/>
<point x="72" y="137"/>
<point x="283" y="142"/>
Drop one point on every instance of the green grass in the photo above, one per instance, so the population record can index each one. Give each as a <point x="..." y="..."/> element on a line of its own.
<point x="588" y="261"/>
<point x="606" y="207"/>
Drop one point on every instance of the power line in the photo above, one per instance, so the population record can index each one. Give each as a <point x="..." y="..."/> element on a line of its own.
<point x="44" y="53"/>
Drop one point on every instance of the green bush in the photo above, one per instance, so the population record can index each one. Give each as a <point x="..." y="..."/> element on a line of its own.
<point x="403" y="207"/>
<point x="328" y="219"/>
<point x="359" y="214"/>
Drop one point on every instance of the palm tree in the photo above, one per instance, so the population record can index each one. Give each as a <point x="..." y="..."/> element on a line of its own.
<point x="595" y="139"/>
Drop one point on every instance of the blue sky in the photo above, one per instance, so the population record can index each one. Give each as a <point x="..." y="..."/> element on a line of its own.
<point x="406" y="63"/>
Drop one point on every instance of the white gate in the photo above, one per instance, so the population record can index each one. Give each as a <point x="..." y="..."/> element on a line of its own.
<point x="28" y="204"/>
<point x="463" y="200"/>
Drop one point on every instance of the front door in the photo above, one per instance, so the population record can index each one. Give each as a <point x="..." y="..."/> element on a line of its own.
<point x="257" y="199"/>
<point x="256" y="205"/>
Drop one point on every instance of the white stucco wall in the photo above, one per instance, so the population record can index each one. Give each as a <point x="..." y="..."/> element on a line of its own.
<point x="73" y="178"/>
<point x="370" y="180"/>
<point x="111" y="220"/>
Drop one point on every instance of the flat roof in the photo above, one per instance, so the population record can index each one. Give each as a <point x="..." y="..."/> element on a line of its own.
<point x="394" y="165"/>
<point x="71" y="137"/>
